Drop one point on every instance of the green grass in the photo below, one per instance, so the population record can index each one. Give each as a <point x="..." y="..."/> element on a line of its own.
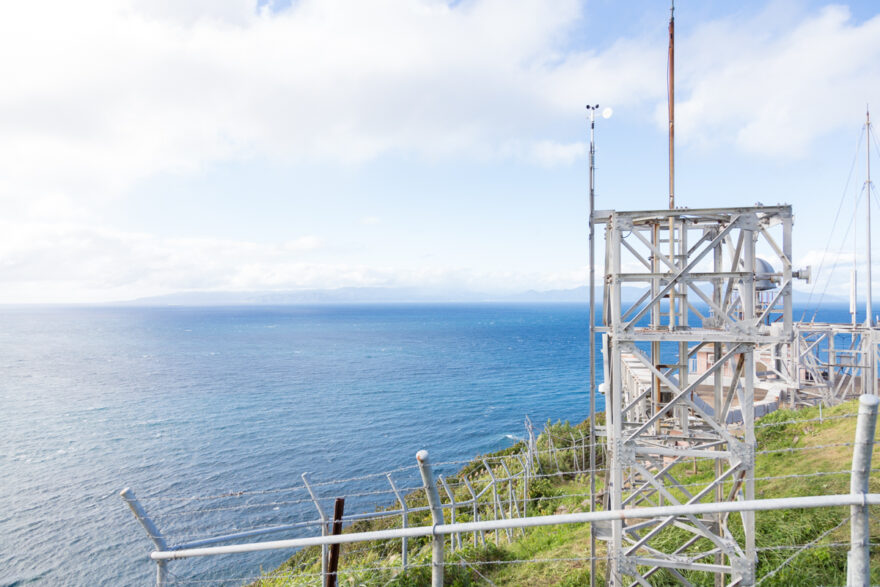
<point x="558" y="555"/>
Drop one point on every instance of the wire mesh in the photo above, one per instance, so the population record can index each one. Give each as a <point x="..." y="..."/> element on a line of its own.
<point x="543" y="479"/>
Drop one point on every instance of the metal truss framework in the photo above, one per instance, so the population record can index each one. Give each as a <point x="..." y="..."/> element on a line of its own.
<point x="827" y="363"/>
<point x="698" y="272"/>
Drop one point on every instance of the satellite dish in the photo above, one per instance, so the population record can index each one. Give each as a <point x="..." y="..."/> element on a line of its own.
<point x="607" y="113"/>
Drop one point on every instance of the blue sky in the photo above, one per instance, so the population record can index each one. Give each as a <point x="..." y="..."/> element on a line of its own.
<point x="151" y="147"/>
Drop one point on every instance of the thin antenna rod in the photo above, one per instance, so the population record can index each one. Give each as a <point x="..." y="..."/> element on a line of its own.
<point x="671" y="92"/>
<point x="592" y="110"/>
<point x="854" y="275"/>
<point x="869" y="314"/>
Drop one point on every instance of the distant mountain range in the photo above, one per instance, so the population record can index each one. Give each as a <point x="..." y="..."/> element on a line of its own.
<point x="353" y="295"/>
<point x="387" y="295"/>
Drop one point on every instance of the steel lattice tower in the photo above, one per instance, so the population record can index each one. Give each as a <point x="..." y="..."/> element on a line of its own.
<point x="697" y="272"/>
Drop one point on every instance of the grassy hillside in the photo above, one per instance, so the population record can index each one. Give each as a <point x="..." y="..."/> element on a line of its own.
<point x="805" y="457"/>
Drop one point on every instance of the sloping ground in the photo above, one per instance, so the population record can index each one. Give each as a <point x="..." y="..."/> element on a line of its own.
<point x="798" y="455"/>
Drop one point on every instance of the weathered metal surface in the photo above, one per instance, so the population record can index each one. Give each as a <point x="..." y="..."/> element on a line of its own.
<point x="333" y="560"/>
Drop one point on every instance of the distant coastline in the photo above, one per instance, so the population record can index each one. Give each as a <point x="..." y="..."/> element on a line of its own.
<point x="396" y="295"/>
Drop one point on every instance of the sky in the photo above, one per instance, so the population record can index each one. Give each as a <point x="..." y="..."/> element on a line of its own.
<point x="156" y="146"/>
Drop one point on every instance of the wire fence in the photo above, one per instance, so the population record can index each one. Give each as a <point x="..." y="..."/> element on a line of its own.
<point x="544" y="475"/>
<point x="369" y="576"/>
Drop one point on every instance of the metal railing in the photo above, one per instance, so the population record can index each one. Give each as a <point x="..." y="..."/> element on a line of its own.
<point x="439" y="532"/>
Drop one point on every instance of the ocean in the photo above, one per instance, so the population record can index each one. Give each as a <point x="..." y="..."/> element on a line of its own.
<point x="181" y="402"/>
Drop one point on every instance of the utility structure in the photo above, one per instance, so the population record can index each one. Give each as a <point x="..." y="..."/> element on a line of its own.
<point x="699" y="280"/>
<point x="829" y="363"/>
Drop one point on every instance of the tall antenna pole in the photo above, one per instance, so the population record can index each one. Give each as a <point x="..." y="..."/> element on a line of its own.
<point x="592" y="110"/>
<point x="671" y="91"/>
<point x="869" y="315"/>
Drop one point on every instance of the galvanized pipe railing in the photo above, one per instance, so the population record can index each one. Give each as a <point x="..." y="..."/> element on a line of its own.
<point x="757" y="505"/>
<point x="858" y="500"/>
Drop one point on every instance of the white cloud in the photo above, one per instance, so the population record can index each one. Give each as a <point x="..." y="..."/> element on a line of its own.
<point x="771" y="90"/>
<point x="545" y="153"/>
<point x="71" y="262"/>
<point x="828" y="259"/>
<point x="77" y="263"/>
<point x="190" y="12"/>
<point x="101" y="94"/>
<point x="98" y="95"/>
<point x="831" y="273"/>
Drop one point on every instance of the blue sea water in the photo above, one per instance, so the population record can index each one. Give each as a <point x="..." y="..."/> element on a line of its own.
<point x="178" y="402"/>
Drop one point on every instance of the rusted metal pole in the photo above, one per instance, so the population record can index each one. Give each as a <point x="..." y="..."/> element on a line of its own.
<point x="671" y="82"/>
<point x="333" y="563"/>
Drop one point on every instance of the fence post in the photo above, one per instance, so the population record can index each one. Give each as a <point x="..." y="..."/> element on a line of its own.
<point x="525" y="474"/>
<point x="333" y="563"/>
<point x="859" y="556"/>
<point x="533" y="445"/>
<point x="324" y="550"/>
<point x="436" y="516"/>
<point x="476" y="510"/>
<point x="509" y="478"/>
<point x="405" y="522"/>
<point x="152" y="531"/>
<point x="498" y="508"/>
<point x="456" y="538"/>
<point x="511" y="493"/>
<point x="549" y="432"/>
